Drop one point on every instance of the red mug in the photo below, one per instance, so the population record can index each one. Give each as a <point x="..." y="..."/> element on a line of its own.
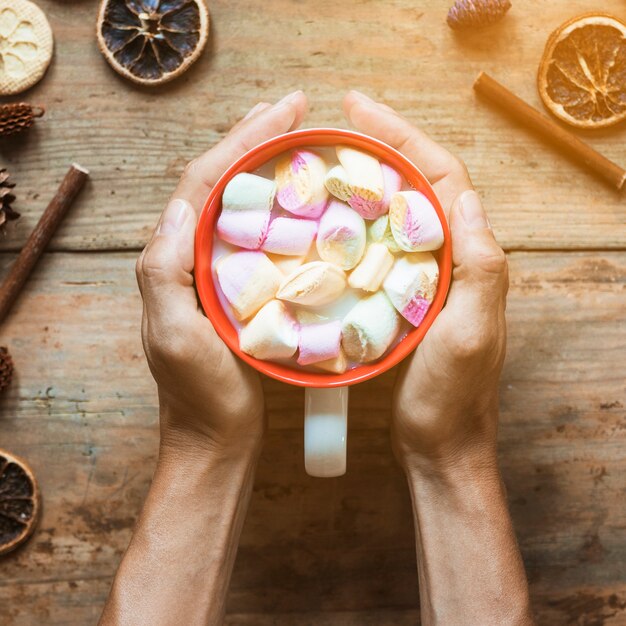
<point x="326" y="395"/>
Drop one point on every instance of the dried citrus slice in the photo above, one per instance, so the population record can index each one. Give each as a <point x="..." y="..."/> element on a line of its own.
<point x="19" y="502"/>
<point x="152" y="41"/>
<point x="25" y="45"/>
<point x="582" y="76"/>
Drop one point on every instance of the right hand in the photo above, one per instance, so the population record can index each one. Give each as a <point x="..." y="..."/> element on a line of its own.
<point x="446" y="397"/>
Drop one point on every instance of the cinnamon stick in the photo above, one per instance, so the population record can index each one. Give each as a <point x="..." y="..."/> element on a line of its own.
<point x="41" y="235"/>
<point x="550" y="130"/>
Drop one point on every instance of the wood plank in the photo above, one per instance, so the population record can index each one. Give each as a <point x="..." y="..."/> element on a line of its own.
<point x="83" y="411"/>
<point x="136" y="141"/>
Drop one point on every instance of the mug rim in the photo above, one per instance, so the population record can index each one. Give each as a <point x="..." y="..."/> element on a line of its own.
<point x="203" y="253"/>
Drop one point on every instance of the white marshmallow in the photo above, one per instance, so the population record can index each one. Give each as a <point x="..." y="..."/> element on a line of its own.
<point x="365" y="175"/>
<point x="248" y="280"/>
<point x="337" y="183"/>
<point x="374" y="266"/>
<point x="379" y="231"/>
<point x="369" y="328"/>
<point x="313" y="284"/>
<point x="411" y="285"/>
<point x="271" y="334"/>
<point x="341" y="235"/>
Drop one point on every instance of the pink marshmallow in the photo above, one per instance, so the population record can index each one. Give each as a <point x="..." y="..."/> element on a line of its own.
<point x="372" y="209"/>
<point x="300" y="180"/>
<point x="319" y="342"/>
<point x="290" y="236"/>
<point x="414" y="222"/>
<point x="246" y="230"/>
<point x="248" y="280"/>
<point x="246" y="207"/>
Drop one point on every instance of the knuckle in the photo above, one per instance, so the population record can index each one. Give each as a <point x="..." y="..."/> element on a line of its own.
<point x="139" y="266"/>
<point x="152" y="266"/>
<point x="494" y="261"/>
<point x="166" y="346"/>
<point x="458" y="167"/>
<point x="474" y="346"/>
<point x="190" y="170"/>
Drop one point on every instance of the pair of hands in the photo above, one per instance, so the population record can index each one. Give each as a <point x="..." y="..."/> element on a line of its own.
<point x="445" y="404"/>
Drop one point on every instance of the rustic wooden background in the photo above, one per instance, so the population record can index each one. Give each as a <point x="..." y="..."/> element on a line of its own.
<point x="83" y="407"/>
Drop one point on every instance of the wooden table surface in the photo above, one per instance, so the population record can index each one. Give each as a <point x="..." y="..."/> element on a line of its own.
<point x="83" y="409"/>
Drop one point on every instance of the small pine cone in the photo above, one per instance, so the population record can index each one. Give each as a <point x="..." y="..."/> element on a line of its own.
<point x="474" y="13"/>
<point x="6" y="198"/>
<point x="14" y="118"/>
<point x="6" y="368"/>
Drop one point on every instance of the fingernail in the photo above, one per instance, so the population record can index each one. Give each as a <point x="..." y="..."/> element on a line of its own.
<point x="257" y="107"/>
<point x="173" y="217"/>
<point x="472" y="210"/>
<point x="362" y="96"/>
<point x="289" y="98"/>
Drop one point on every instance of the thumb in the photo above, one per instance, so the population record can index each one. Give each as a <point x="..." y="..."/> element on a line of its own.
<point x="474" y="313"/>
<point x="164" y="269"/>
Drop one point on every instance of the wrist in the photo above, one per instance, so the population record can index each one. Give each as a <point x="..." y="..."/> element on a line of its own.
<point x="184" y="434"/>
<point x="479" y="464"/>
<point x="192" y="461"/>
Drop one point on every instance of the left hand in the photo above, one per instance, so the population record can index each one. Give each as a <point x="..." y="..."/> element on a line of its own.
<point x="207" y="397"/>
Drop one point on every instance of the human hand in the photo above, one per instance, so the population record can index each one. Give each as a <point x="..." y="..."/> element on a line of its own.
<point x="446" y="397"/>
<point x="207" y="397"/>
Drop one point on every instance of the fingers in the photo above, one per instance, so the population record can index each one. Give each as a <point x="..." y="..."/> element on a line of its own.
<point x="263" y="122"/>
<point x="444" y="171"/>
<point x="164" y="269"/>
<point x="474" y="312"/>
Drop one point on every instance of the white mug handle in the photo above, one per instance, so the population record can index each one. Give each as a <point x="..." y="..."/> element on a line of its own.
<point x="325" y="431"/>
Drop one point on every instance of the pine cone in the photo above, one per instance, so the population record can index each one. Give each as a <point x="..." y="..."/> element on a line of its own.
<point x="14" y="118"/>
<point x="6" y="197"/>
<point x="6" y="368"/>
<point x="474" y="13"/>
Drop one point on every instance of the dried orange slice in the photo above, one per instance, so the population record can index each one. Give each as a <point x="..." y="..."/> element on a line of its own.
<point x="152" y="41"/>
<point x="20" y="502"/>
<point x="582" y="76"/>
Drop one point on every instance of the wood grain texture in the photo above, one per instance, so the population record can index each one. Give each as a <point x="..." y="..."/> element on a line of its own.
<point x="82" y="410"/>
<point x="136" y="140"/>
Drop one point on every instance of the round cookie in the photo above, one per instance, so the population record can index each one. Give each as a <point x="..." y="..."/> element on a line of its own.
<point x="25" y="45"/>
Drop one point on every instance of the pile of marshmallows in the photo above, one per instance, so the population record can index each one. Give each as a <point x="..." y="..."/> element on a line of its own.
<point x="329" y="207"/>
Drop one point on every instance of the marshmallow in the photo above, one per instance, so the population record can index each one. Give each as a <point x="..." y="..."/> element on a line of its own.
<point x="313" y="284"/>
<point x="369" y="328"/>
<point x="300" y="178"/>
<point x="379" y="231"/>
<point x="246" y="205"/>
<point x="286" y="264"/>
<point x="338" y="365"/>
<point x="374" y="266"/>
<point x="371" y="209"/>
<point x="365" y="175"/>
<point x="289" y="236"/>
<point x="271" y="334"/>
<point x="248" y="280"/>
<point x="338" y="184"/>
<point x="414" y="222"/>
<point x="411" y="285"/>
<point x="341" y="236"/>
<point x="319" y="342"/>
